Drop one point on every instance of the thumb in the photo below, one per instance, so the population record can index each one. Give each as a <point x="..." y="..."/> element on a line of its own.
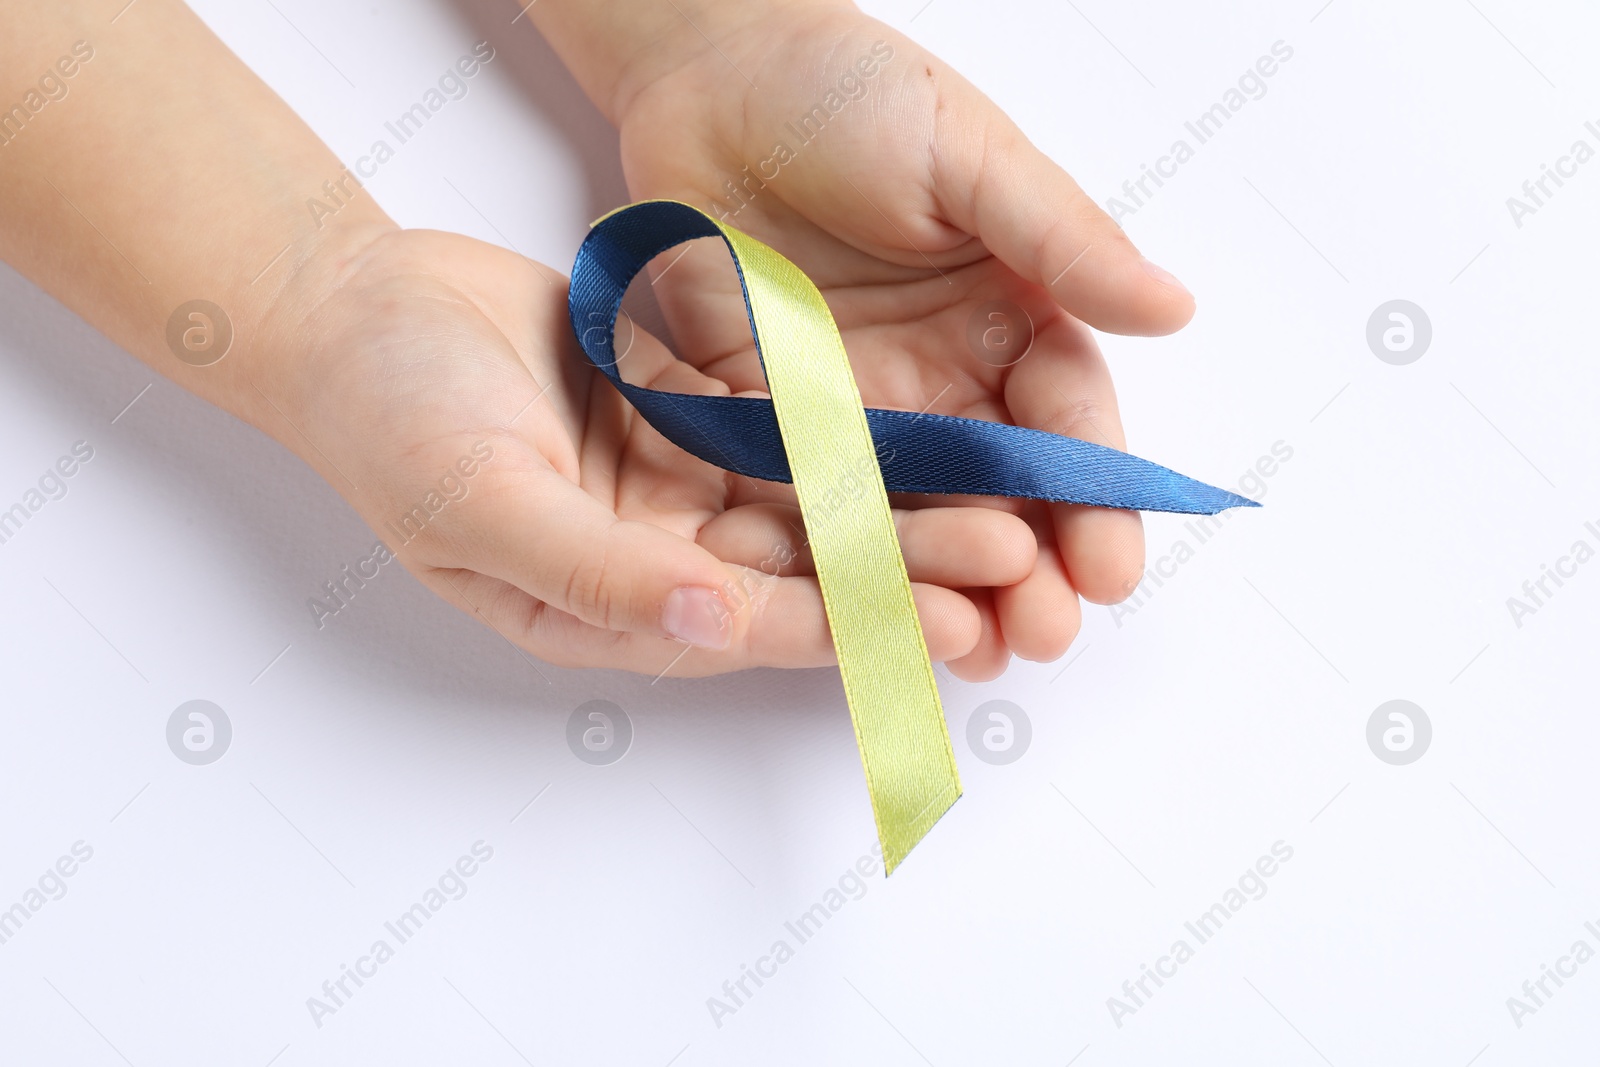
<point x="551" y="539"/>
<point x="1030" y="213"/>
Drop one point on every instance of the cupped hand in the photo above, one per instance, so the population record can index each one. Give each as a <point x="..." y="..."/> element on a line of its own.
<point x="435" y="381"/>
<point x="913" y="202"/>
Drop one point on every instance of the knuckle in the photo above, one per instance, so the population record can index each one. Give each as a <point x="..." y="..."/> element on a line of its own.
<point x="587" y="593"/>
<point x="1088" y="418"/>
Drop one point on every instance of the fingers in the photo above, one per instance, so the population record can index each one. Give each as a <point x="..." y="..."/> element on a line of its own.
<point x="788" y="627"/>
<point x="1040" y="615"/>
<point x="965" y="547"/>
<point x="992" y="182"/>
<point x="1064" y="387"/>
<point x="989" y="655"/>
<point x="768" y="537"/>
<point x="951" y="547"/>
<point x="537" y="531"/>
<point x="777" y="622"/>
<point x="1025" y="600"/>
<point x="1101" y="548"/>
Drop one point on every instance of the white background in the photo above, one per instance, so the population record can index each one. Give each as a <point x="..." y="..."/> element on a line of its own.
<point x="1169" y="752"/>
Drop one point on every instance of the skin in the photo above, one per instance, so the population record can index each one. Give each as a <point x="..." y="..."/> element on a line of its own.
<point x="383" y="356"/>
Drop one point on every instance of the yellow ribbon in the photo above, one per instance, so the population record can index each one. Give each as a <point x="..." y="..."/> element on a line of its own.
<point x="883" y="659"/>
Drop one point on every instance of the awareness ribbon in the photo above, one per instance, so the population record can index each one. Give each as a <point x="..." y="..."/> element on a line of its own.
<point x="843" y="460"/>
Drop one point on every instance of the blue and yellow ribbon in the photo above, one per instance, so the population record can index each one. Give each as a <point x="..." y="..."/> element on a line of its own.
<point x="815" y="433"/>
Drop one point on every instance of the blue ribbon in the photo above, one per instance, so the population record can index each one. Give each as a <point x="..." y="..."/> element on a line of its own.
<point x="918" y="453"/>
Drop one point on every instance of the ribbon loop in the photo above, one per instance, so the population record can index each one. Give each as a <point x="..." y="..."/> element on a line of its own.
<point x="843" y="460"/>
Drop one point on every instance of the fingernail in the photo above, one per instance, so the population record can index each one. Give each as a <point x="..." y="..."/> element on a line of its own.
<point x="1162" y="275"/>
<point x="697" y="615"/>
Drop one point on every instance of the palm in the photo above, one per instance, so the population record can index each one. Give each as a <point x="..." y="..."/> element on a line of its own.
<point x="436" y="343"/>
<point x="882" y="207"/>
<point x="440" y="341"/>
<point x="854" y="208"/>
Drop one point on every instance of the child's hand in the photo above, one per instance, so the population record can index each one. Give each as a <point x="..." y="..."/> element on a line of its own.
<point x="384" y="357"/>
<point x="910" y="200"/>
<point x="434" y="380"/>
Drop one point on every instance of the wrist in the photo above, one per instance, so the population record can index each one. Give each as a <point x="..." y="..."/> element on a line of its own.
<point x="275" y="381"/>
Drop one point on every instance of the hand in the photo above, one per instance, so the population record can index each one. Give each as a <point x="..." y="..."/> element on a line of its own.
<point x="910" y="200"/>
<point x="435" y="381"/>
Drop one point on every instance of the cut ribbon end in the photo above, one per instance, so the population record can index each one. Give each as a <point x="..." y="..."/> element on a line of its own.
<point x="900" y="836"/>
